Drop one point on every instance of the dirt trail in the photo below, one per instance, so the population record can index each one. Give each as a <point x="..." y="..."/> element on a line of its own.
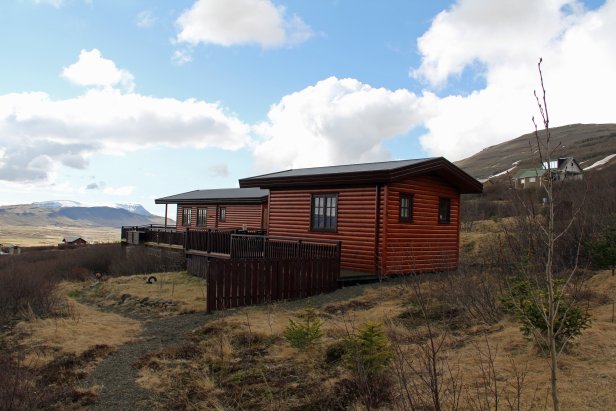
<point x="116" y="373"/>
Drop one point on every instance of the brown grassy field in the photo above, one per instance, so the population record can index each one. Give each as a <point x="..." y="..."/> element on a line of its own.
<point x="25" y="236"/>
<point x="240" y="359"/>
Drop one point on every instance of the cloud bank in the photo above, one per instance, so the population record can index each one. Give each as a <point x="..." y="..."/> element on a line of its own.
<point x="333" y="122"/>
<point x="238" y="22"/>
<point x="503" y="41"/>
<point x="40" y="135"/>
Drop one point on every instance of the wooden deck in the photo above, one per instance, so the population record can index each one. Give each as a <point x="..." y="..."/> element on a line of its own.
<point x="231" y="243"/>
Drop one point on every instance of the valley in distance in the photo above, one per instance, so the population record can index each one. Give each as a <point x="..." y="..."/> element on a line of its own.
<point x="46" y="223"/>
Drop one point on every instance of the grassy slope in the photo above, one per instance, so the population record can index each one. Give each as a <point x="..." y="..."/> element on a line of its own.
<point x="586" y="142"/>
<point x="240" y="357"/>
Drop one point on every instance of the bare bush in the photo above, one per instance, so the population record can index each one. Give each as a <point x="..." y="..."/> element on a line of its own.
<point x="27" y="281"/>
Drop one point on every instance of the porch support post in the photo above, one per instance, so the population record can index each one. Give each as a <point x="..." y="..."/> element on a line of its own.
<point x="166" y="205"/>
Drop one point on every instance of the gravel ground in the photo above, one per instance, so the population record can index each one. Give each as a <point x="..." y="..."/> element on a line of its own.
<point x="117" y="375"/>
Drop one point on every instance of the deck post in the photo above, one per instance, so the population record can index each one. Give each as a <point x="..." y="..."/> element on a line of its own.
<point x="166" y="205"/>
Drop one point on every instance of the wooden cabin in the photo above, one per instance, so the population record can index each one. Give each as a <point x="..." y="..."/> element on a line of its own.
<point x="74" y="240"/>
<point x="393" y="217"/>
<point x="220" y="208"/>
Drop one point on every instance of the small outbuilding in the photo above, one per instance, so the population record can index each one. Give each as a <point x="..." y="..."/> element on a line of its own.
<point x="74" y="241"/>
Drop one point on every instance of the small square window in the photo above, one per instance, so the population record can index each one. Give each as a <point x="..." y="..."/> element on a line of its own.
<point x="323" y="216"/>
<point x="201" y="217"/>
<point x="186" y="216"/>
<point x="444" y="210"/>
<point x="222" y="213"/>
<point x="406" y="207"/>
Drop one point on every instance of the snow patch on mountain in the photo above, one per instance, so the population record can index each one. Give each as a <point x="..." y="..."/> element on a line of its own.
<point x="54" y="204"/>
<point x="601" y="162"/>
<point x="57" y="204"/>
<point x="134" y="208"/>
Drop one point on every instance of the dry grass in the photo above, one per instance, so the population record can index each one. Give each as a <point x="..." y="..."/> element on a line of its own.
<point x="52" y="235"/>
<point x="81" y="328"/>
<point x="228" y="359"/>
<point x="185" y="290"/>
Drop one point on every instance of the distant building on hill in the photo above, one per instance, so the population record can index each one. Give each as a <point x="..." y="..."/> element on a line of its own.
<point x="565" y="168"/>
<point x="74" y="241"/>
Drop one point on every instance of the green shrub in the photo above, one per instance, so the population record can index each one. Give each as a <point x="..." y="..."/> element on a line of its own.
<point x="526" y="302"/>
<point x="306" y="331"/>
<point x="602" y="249"/>
<point x="368" y="351"/>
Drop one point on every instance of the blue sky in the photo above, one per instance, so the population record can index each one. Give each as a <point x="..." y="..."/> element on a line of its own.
<point x="126" y="101"/>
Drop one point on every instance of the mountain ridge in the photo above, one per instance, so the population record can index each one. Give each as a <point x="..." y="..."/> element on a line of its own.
<point x="587" y="143"/>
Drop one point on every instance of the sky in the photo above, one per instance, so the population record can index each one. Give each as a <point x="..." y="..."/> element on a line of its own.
<point x="115" y="101"/>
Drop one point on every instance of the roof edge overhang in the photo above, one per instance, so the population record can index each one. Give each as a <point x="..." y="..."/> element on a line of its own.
<point x="464" y="182"/>
<point x="213" y="201"/>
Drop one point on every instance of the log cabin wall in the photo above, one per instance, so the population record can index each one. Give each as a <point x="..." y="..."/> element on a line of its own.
<point x="289" y="215"/>
<point x="236" y="216"/>
<point x="424" y="244"/>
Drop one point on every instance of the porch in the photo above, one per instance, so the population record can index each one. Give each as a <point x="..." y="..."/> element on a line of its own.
<point x="232" y="243"/>
<point x="245" y="267"/>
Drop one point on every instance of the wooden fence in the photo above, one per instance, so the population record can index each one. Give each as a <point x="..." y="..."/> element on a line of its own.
<point x="248" y="281"/>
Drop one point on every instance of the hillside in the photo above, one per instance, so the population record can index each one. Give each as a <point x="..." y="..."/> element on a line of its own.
<point x="46" y="224"/>
<point x="587" y="143"/>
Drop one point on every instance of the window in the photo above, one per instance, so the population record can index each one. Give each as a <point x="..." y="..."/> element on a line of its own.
<point x="222" y="213"/>
<point x="201" y="217"/>
<point x="444" y="210"/>
<point x="186" y="215"/>
<point x="531" y="179"/>
<point x="406" y="207"/>
<point x="323" y="212"/>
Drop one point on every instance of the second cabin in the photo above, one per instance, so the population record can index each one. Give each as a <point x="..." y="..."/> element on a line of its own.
<point x="393" y="217"/>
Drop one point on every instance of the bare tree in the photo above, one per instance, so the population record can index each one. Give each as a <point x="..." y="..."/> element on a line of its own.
<point x="551" y="306"/>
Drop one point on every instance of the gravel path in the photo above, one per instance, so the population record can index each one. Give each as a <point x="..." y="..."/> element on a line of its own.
<point x="116" y="373"/>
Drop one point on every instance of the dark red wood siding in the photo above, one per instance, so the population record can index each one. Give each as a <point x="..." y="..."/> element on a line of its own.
<point x="289" y="215"/>
<point x="236" y="216"/>
<point x="423" y="244"/>
<point x="418" y="246"/>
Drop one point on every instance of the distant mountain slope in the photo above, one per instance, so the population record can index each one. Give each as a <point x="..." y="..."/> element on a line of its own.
<point x="105" y="216"/>
<point x="134" y="208"/>
<point x="30" y="215"/>
<point x="587" y="143"/>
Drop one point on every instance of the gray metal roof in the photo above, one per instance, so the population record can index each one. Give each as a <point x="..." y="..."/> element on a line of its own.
<point x="349" y="168"/>
<point x="218" y="195"/>
<point x="368" y="173"/>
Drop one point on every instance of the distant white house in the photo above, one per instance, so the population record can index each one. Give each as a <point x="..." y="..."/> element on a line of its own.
<point x="565" y="168"/>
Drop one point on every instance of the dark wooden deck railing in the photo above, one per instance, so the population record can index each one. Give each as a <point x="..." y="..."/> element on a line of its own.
<point x="233" y="243"/>
<point x="255" y="246"/>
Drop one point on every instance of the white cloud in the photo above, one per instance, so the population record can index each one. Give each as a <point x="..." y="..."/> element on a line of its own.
<point x="54" y="3"/>
<point x="119" y="191"/>
<point x="181" y="57"/>
<point x="38" y="135"/>
<point x="93" y="70"/>
<point x="333" y="122"/>
<point x="505" y="40"/>
<point x="219" y="170"/>
<point x="233" y="22"/>
<point x="146" y="19"/>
